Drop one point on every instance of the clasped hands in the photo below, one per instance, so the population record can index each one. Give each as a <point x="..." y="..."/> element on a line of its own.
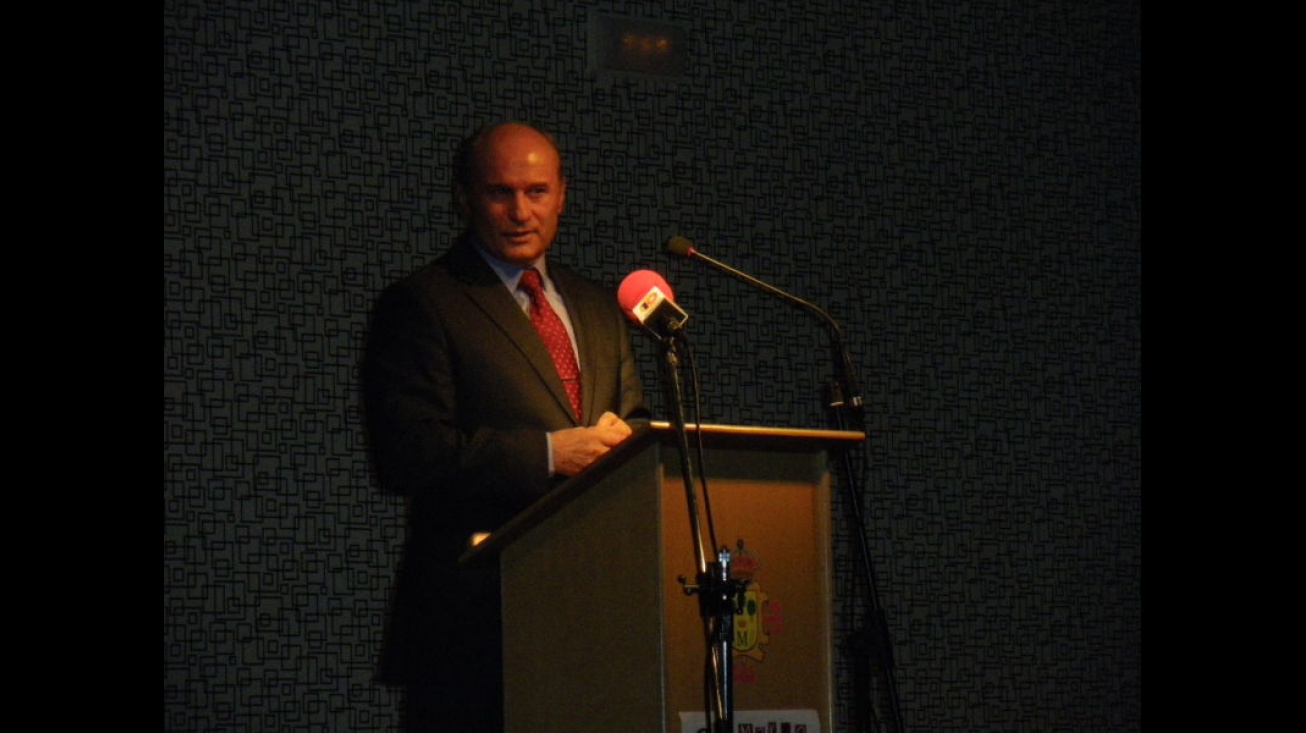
<point x="576" y="448"/>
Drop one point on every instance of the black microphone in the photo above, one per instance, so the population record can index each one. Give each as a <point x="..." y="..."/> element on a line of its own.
<point x="681" y="246"/>
<point x="647" y="300"/>
<point x="851" y="396"/>
<point x="685" y="248"/>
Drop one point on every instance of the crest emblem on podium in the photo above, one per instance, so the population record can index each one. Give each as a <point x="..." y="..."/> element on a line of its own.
<point x="750" y="630"/>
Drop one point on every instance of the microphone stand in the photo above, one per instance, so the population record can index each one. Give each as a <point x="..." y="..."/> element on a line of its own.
<point x="870" y="645"/>
<point x="719" y="597"/>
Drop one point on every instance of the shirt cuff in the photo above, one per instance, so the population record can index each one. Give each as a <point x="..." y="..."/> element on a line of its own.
<point x="548" y="447"/>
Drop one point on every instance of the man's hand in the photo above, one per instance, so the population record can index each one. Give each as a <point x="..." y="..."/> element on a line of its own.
<point x="576" y="448"/>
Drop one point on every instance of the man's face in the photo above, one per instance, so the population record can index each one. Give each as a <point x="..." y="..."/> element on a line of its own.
<point x="515" y="194"/>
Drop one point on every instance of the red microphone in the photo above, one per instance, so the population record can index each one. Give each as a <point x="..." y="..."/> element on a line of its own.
<point x="647" y="300"/>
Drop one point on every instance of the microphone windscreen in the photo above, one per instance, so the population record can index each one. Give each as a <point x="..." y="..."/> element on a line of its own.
<point x="680" y="246"/>
<point x="637" y="286"/>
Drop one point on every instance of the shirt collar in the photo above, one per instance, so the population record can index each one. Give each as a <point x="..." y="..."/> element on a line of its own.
<point x="509" y="272"/>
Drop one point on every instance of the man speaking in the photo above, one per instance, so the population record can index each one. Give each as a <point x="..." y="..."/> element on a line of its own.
<point x="489" y="375"/>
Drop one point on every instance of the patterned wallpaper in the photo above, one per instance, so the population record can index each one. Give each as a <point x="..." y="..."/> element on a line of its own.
<point x="958" y="183"/>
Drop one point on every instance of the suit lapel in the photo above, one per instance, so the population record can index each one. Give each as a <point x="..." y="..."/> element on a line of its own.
<point x="580" y="312"/>
<point x="486" y="290"/>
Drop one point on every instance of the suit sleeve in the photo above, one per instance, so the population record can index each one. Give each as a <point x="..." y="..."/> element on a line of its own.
<point x="420" y="442"/>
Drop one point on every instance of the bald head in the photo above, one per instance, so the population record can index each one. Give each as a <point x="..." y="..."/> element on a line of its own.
<point x="472" y="149"/>
<point x="510" y="191"/>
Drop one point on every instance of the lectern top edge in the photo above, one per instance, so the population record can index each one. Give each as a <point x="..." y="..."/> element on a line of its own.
<point x="760" y="438"/>
<point x="832" y="438"/>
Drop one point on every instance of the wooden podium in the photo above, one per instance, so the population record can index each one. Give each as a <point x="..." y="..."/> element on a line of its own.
<point x="598" y="634"/>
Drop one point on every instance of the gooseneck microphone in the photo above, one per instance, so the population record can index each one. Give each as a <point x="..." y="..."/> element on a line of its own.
<point x="871" y="645"/>
<point x="647" y="300"/>
<point x="852" y="397"/>
<point x="680" y="246"/>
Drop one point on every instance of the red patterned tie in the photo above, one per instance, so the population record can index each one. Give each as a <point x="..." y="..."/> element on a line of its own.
<point x="547" y="322"/>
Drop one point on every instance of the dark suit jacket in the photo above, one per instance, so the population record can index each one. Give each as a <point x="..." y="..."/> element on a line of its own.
<point x="459" y="391"/>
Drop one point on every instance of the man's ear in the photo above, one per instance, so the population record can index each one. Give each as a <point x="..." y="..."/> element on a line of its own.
<point x="460" y="205"/>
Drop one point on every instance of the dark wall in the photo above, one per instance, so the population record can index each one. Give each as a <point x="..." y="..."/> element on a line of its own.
<point x="958" y="183"/>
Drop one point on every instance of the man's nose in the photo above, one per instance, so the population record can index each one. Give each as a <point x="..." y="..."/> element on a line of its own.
<point x="519" y="208"/>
